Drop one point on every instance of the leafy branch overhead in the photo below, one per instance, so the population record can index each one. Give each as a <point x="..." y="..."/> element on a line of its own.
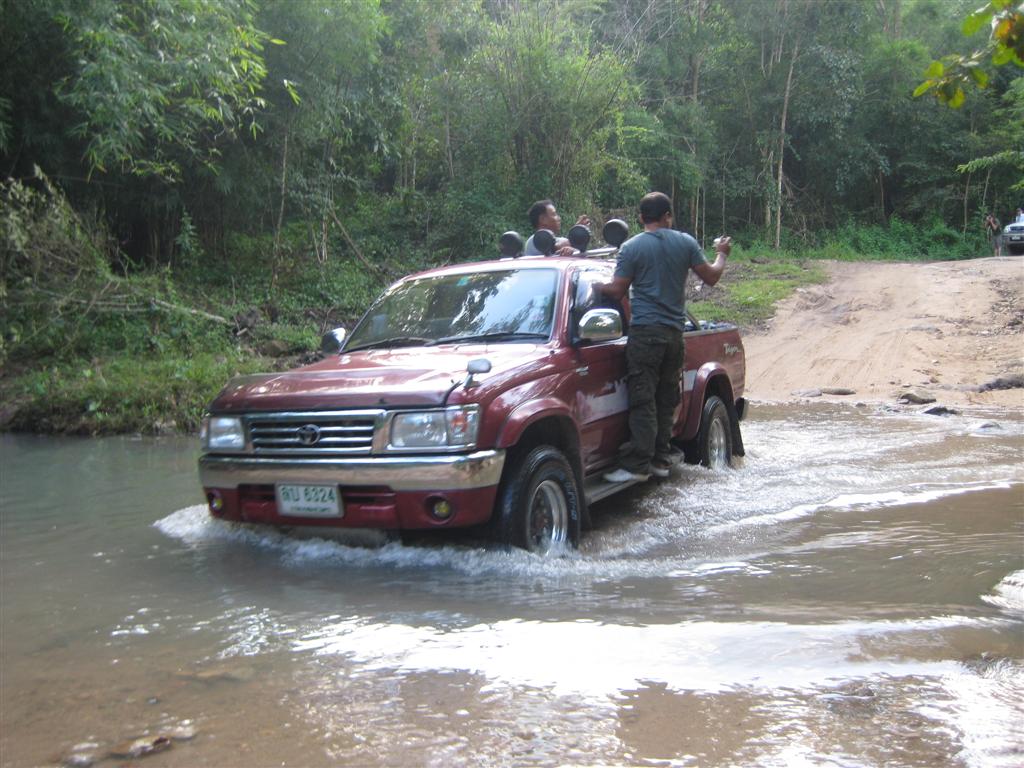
<point x="950" y="76"/>
<point x="426" y="128"/>
<point x="159" y="84"/>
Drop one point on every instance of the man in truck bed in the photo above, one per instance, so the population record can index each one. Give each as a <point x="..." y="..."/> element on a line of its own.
<point x="655" y="263"/>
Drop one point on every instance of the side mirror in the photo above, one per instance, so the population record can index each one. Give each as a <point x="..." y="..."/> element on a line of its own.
<point x="544" y="241"/>
<point x="615" y="232"/>
<point x="332" y="341"/>
<point x="579" y="237"/>
<point x="475" y="366"/>
<point x="600" y="325"/>
<point x="511" y="244"/>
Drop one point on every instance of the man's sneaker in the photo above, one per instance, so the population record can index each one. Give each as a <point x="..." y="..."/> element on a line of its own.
<point x="672" y="458"/>
<point x="621" y="475"/>
<point x="660" y="467"/>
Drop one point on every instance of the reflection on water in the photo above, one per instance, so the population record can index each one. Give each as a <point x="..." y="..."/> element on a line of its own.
<point x="854" y="595"/>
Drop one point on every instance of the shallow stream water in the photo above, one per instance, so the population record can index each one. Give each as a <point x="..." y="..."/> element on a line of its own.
<point x="853" y="594"/>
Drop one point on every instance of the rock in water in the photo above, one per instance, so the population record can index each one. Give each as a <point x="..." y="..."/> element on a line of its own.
<point x="838" y="391"/>
<point x="148" y="745"/>
<point x="917" y="396"/>
<point x="941" y="410"/>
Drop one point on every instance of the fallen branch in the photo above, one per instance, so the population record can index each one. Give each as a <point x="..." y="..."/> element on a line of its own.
<point x="196" y="312"/>
<point x="354" y="247"/>
<point x="96" y="304"/>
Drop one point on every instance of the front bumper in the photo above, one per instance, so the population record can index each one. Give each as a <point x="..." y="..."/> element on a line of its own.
<point x="400" y="473"/>
<point x="378" y="492"/>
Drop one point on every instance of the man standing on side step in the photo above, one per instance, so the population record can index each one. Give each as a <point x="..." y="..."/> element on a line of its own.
<point x="655" y="265"/>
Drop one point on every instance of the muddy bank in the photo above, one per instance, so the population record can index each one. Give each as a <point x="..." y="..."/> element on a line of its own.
<point x="950" y="332"/>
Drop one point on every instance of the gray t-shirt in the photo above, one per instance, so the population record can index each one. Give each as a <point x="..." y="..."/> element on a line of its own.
<point x="657" y="263"/>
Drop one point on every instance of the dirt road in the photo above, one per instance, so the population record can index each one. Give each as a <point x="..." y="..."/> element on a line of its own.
<point x="880" y="330"/>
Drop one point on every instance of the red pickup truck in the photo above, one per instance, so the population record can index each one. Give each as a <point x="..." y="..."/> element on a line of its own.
<point x="487" y="394"/>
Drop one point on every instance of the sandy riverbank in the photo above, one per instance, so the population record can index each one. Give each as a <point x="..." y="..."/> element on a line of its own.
<point x="880" y="329"/>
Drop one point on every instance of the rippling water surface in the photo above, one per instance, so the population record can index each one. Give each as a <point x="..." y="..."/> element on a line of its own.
<point x="852" y="595"/>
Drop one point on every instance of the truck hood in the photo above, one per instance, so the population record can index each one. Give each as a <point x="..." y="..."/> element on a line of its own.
<point x="415" y="376"/>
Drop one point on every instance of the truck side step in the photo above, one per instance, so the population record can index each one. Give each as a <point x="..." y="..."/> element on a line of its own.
<point x="596" y="487"/>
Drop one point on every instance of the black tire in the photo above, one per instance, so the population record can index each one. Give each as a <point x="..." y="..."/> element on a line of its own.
<point x="713" y="447"/>
<point x="539" y="504"/>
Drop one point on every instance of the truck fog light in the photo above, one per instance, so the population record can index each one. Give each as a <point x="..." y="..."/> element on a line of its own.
<point x="215" y="501"/>
<point x="441" y="509"/>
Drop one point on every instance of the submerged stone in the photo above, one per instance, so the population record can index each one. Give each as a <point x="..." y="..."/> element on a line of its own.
<point x="148" y="745"/>
<point x="941" y="410"/>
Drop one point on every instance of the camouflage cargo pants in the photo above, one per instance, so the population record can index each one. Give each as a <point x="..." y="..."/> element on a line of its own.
<point x="654" y="364"/>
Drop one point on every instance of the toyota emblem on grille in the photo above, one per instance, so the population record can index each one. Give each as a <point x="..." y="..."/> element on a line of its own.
<point x="309" y="434"/>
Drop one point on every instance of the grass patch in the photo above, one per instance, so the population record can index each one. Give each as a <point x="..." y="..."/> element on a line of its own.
<point x="121" y="394"/>
<point x="751" y="286"/>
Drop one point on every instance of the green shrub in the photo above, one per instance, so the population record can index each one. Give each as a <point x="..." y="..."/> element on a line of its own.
<point x="122" y="394"/>
<point x="902" y="241"/>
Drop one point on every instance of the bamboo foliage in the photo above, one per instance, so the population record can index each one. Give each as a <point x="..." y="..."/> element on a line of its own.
<point x="363" y="129"/>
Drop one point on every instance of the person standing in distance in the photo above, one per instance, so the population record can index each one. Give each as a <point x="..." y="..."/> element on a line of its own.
<point x="655" y="265"/>
<point x="993" y="230"/>
<point x="544" y="215"/>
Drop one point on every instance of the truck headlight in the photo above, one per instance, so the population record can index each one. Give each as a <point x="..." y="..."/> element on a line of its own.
<point x="222" y="433"/>
<point x="454" y="427"/>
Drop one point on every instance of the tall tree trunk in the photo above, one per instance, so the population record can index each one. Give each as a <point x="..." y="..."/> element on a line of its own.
<point x="703" y="211"/>
<point x="881" y="197"/>
<point x="967" y="191"/>
<point x="448" y="154"/>
<point x="695" y="211"/>
<point x="891" y="14"/>
<point x="724" y="229"/>
<point x="697" y="58"/>
<point x="280" y="214"/>
<point x="673" y="197"/>
<point x="782" y="145"/>
<point x="448" y="144"/>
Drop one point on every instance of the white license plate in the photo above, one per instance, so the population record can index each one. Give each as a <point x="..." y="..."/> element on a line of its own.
<point x="309" y="501"/>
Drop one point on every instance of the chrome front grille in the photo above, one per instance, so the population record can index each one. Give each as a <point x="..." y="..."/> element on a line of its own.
<point x="349" y="433"/>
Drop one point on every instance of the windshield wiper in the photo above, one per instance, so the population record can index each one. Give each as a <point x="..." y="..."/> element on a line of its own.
<point x="493" y="336"/>
<point x="394" y="341"/>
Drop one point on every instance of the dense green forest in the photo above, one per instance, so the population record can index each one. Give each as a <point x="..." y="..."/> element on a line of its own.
<point x="191" y="184"/>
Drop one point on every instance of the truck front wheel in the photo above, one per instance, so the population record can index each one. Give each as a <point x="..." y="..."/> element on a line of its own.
<point x="539" y="504"/>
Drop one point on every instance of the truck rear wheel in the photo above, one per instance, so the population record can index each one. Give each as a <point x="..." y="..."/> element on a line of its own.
<point x="713" y="446"/>
<point x="539" y="504"/>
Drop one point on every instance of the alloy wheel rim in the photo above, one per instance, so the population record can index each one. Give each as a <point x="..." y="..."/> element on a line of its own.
<point x="549" y="517"/>
<point x="717" y="445"/>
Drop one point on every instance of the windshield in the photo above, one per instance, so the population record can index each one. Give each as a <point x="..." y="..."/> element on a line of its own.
<point x="508" y="305"/>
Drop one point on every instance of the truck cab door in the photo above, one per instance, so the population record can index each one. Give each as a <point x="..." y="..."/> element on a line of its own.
<point x="600" y="402"/>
